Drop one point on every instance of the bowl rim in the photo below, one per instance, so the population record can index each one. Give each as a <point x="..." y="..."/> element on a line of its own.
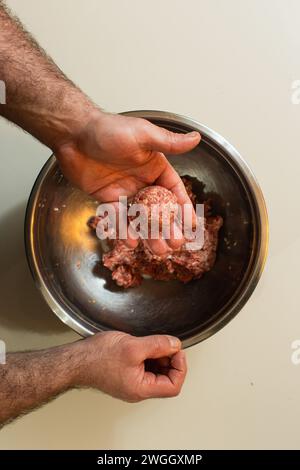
<point x="258" y="258"/>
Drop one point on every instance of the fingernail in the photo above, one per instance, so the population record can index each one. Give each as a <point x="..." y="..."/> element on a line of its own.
<point x="174" y="342"/>
<point x="193" y="134"/>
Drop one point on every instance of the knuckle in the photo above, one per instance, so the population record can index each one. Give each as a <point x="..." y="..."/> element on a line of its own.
<point x="116" y="339"/>
<point x="172" y="138"/>
<point x="143" y="122"/>
<point x="143" y="125"/>
<point x="159" y="343"/>
<point x="129" y="348"/>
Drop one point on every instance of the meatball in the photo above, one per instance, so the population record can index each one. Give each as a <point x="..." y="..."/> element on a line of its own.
<point x="128" y="266"/>
<point x="159" y="205"/>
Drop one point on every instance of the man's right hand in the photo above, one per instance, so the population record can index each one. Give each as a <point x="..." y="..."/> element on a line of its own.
<point x="132" y="368"/>
<point x="112" y="156"/>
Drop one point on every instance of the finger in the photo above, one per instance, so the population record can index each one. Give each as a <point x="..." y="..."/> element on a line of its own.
<point x="131" y="241"/>
<point x="171" y="180"/>
<point x="178" y="367"/>
<point x="176" y="238"/>
<point x="158" y="386"/>
<point x="158" y="366"/>
<point x="123" y="229"/>
<point x="161" y="385"/>
<point x="155" y="346"/>
<point x="163" y="362"/>
<point x="158" y="247"/>
<point x="117" y="215"/>
<point x="163" y="140"/>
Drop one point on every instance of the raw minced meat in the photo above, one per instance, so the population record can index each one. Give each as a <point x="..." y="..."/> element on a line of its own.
<point x="129" y="265"/>
<point x="157" y="202"/>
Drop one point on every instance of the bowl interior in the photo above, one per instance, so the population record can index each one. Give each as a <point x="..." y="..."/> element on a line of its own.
<point x="67" y="255"/>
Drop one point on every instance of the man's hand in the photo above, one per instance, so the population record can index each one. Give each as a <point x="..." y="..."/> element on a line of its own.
<point x="132" y="368"/>
<point x="116" y="363"/>
<point x="105" y="155"/>
<point x="115" y="156"/>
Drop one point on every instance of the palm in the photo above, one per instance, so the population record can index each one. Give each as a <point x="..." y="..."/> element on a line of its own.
<point x="118" y="155"/>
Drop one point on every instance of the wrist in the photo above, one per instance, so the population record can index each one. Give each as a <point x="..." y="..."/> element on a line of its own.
<point x="66" y="362"/>
<point x="75" y="115"/>
<point x="78" y="131"/>
<point x="87" y="358"/>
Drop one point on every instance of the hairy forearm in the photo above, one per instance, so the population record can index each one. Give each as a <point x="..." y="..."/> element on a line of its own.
<point x="29" y="379"/>
<point x="39" y="97"/>
<point x="111" y="361"/>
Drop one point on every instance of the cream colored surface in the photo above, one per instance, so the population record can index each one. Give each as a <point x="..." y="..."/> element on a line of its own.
<point x="230" y="65"/>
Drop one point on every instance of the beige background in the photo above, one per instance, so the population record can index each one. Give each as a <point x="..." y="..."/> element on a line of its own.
<point x="229" y="64"/>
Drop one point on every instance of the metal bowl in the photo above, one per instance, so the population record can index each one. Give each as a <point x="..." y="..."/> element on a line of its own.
<point x="65" y="257"/>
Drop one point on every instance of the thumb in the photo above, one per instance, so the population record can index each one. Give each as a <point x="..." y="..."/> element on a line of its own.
<point x="163" y="140"/>
<point x="156" y="346"/>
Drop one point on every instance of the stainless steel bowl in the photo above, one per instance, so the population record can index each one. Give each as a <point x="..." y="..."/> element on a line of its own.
<point x="65" y="257"/>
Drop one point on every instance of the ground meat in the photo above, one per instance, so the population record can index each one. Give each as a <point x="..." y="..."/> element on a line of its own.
<point x="189" y="189"/>
<point x="159" y="200"/>
<point x="128" y="266"/>
<point x="124" y="276"/>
